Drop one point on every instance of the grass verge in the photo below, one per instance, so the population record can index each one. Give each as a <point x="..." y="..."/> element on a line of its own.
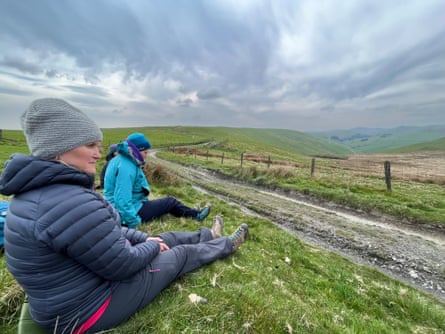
<point x="273" y="284"/>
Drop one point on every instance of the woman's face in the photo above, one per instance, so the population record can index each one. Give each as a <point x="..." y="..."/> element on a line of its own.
<point x="83" y="157"/>
<point x="145" y="154"/>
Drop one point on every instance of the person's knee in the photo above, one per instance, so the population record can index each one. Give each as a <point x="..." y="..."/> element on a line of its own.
<point x="171" y="199"/>
<point x="171" y="261"/>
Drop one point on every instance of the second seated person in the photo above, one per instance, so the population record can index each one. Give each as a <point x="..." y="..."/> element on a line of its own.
<point x="127" y="187"/>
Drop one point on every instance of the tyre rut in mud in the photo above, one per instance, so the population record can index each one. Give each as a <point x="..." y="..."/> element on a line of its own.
<point x="414" y="254"/>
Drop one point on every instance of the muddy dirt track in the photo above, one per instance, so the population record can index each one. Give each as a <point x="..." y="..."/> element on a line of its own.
<point x="412" y="253"/>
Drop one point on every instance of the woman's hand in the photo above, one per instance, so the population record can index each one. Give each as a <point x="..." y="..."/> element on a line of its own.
<point x="164" y="247"/>
<point x="161" y="243"/>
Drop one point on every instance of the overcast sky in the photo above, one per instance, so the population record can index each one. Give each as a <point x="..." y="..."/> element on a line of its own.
<point x="302" y="65"/>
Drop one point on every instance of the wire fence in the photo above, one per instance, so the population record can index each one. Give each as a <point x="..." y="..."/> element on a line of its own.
<point x="425" y="167"/>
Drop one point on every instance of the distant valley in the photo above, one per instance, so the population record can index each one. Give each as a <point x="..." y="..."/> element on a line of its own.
<point x="399" y="139"/>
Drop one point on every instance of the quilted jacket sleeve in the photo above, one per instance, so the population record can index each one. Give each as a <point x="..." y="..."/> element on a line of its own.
<point x="134" y="236"/>
<point x="86" y="228"/>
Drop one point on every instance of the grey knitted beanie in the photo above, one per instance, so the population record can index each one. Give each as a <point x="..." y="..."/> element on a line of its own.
<point x="53" y="127"/>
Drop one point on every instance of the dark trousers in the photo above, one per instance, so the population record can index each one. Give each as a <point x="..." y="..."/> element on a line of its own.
<point x="188" y="251"/>
<point x="151" y="210"/>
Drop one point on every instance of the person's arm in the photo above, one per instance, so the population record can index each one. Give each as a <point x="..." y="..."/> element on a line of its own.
<point x="93" y="238"/>
<point x="134" y="236"/>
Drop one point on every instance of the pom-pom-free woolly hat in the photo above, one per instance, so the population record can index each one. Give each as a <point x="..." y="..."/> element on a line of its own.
<point x="53" y="127"/>
<point x="140" y="141"/>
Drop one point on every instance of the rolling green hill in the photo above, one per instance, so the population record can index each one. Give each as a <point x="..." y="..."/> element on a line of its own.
<point x="372" y="140"/>
<point x="435" y="145"/>
<point x="273" y="141"/>
<point x="281" y="144"/>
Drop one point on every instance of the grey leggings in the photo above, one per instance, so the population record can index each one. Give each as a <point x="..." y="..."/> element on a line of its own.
<point x="188" y="251"/>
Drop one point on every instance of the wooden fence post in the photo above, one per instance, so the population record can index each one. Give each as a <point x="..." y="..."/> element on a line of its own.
<point x="1" y="133"/>
<point x="207" y="154"/>
<point x="242" y="154"/>
<point x="268" y="162"/>
<point x="388" y="175"/>
<point x="312" y="167"/>
<point x="222" y="159"/>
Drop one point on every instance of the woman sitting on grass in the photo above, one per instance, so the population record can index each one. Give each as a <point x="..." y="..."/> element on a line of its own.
<point x="127" y="188"/>
<point x="64" y="243"/>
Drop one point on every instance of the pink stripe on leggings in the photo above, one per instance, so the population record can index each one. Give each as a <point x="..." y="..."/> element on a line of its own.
<point x="93" y="319"/>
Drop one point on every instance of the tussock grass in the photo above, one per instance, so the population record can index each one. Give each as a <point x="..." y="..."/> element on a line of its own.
<point x="158" y="175"/>
<point x="281" y="172"/>
<point x="11" y="296"/>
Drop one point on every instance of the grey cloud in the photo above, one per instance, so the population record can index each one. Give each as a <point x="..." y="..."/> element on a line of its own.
<point x="208" y="94"/>
<point x="60" y="27"/>
<point x="187" y="102"/>
<point x="91" y="78"/>
<point x="118" y="111"/>
<point x="95" y="105"/>
<point x="360" y="81"/>
<point x="51" y="73"/>
<point x="232" y="56"/>
<point x="150" y="40"/>
<point x="21" y="65"/>
<point x="90" y="90"/>
<point x="11" y="91"/>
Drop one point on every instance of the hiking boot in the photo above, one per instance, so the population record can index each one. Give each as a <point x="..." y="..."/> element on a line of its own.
<point x="239" y="236"/>
<point x="203" y="213"/>
<point x="217" y="227"/>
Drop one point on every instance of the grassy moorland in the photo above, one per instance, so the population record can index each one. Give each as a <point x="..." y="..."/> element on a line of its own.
<point x="275" y="283"/>
<point x="435" y="145"/>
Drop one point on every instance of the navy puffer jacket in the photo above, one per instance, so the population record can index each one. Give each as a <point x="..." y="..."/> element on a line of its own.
<point x="64" y="243"/>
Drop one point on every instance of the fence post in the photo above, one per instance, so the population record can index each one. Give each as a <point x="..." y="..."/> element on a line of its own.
<point x="207" y="155"/>
<point x="1" y="133"/>
<point x="388" y="175"/>
<point x="242" y="154"/>
<point x="312" y="167"/>
<point x="268" y="162"/>
<point x="222" y="159"/>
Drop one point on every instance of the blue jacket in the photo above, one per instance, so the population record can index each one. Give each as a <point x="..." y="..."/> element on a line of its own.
<point x="126" y="186"/>
<point x="64" y="243"/>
